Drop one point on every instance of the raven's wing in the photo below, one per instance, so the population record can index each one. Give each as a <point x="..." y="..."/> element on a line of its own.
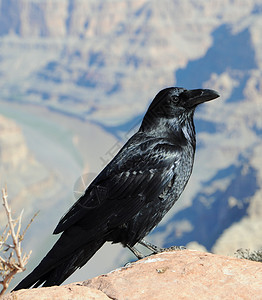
<point x="137" y="175"/>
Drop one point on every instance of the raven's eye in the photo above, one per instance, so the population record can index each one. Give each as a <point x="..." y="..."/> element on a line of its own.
<point x="175" y="100"/>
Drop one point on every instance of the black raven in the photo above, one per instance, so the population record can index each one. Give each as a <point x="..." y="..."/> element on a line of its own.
<point x="133" y="192"/>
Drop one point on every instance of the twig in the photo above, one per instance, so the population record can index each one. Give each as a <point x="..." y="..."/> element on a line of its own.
<point x="10" y="220"/>
<point x="21" y="237"/>
<point x="10" y="266"/>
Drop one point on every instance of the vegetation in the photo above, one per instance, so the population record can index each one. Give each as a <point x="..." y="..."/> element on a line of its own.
<point x="12" y="260"/>
<point x="251" y="255"/>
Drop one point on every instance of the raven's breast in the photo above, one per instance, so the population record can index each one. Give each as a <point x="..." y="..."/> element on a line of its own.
<point x="155" y="209"/>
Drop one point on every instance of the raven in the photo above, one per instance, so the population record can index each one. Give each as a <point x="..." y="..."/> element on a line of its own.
<point x="133" y="192"/>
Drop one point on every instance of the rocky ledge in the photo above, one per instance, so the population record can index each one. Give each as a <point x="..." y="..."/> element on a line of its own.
<point x="172" y="275"/>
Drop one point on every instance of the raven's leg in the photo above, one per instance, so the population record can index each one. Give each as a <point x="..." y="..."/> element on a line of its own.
<point x="156" y="249"/>
<point x="137" y="253"/>
<point x="151" y="247"/>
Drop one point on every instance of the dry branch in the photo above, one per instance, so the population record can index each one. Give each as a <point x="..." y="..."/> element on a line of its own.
<point x="11" y="260"/>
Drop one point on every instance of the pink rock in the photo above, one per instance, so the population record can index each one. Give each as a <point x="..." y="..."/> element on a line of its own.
<point x="170" y="275"/>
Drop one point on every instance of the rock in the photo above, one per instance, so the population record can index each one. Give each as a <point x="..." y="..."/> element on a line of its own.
<point x="103" y="61"/>
<point x="28" y="181"/>
<point x="13" y="149"/>
<point x="67" y="292"/>
<point x="170" y="275"/>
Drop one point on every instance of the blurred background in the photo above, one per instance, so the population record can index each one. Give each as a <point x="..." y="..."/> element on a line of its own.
<point x="76" y="78"/>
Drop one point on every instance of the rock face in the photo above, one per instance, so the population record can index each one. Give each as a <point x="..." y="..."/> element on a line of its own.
<point x="67" y="292"/>
<point x="103" y="60"/>
<point x="172" y="275"/>
<point x="27" y="180"/>
<point x="13" y="149"/>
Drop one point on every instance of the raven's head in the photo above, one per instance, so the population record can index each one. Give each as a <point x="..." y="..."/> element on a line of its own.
<point x="176" y="103"/>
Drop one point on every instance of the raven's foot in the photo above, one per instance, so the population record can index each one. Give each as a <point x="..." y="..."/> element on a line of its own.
<point x="153" y="248"/>
<point x="137" y="253"/>
<point x="156" y="249"/>
<point x="173" y="248"/>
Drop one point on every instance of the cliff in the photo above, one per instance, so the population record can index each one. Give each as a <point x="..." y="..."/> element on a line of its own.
<point x="101" y="61"/>
<point x="26" y="178"/>
<point x="172" y="275"/>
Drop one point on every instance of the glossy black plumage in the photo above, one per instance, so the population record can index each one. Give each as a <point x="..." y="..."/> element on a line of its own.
<point x="133" y="192"/>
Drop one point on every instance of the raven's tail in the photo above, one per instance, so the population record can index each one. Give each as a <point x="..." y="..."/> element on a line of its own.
<point x="57" y="265"/>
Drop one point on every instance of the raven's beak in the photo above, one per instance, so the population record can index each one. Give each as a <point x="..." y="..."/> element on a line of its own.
<point x="195" y="97"/>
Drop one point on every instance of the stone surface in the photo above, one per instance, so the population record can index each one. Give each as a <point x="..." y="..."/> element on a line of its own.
<point x="26" y="178"/>
<point x="183" y="274"/>
<point x="103" y="61"/>
<point x="67" y="292"/>
<point x="13" y="149"/>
